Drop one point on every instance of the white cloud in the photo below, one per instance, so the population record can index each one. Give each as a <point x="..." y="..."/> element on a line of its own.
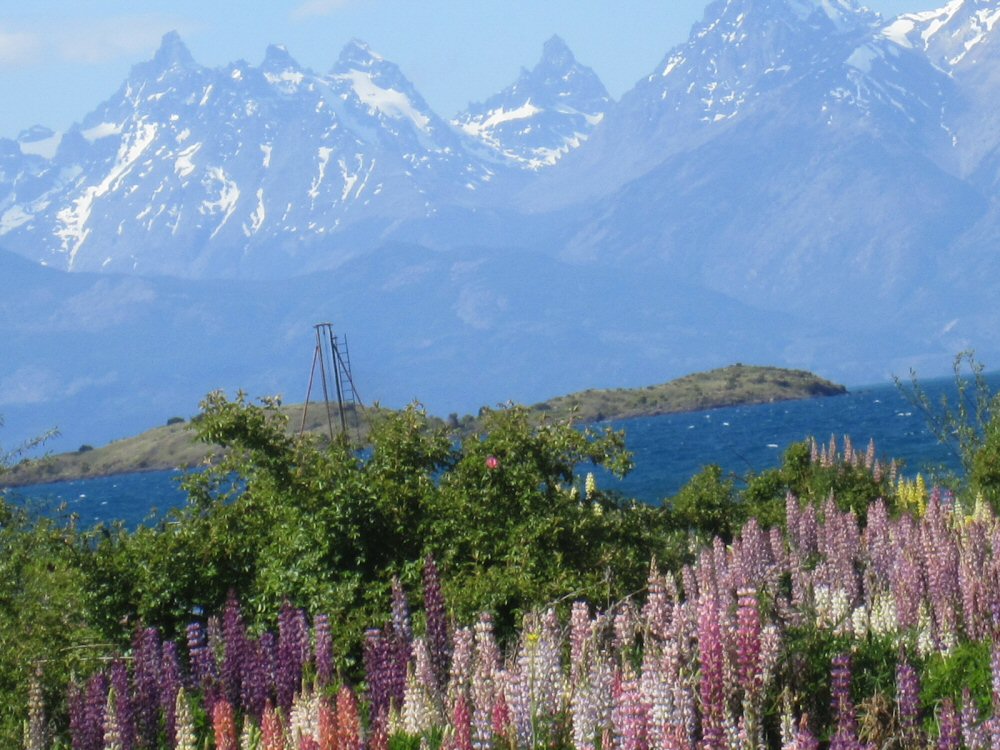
<point x="311" y="8"/>
<point x="18" y="47"/>
<point x="101" y="40"/>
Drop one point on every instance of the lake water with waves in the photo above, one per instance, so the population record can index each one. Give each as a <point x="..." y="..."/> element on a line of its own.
<point x="667" y="450"/>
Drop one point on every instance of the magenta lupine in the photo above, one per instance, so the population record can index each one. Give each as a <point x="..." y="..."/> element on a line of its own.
<point x="438" y="641"/>
<point x="711" y="689"/>
<point x="170" y="685"/>
<point x="949" y="726"/>
<point x="323" y="650"/>
<point x="502" y="725"/>
<point x="461" y="724"/>
<point x="630" y="717"/>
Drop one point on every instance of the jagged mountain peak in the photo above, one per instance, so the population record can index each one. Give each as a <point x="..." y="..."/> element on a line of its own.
<point x="547" y="112"/>
<point x="357" y="55"/>
<point x="556" y="53"/>
<point x="172" y="52"/>
<point x="947" y="34"/>
<point x="277" y="59"/>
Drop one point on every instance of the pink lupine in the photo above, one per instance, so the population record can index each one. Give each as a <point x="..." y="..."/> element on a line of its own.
<point x="579" y="636"/>
<point x="327" y="725"/>
<point x="272" y="734"/>
<point x="486" y="664"/>
<point x="658" y="607"/>
<point x="711" y="687"/>
<point x="224" y="725"/>
<point x="348" y="721"/>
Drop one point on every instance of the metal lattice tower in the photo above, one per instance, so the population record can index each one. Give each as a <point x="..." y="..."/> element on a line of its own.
<point x="333" y="360"/>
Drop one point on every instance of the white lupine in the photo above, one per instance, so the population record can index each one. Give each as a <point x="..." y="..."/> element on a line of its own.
<point x="832" y="609"/>
<point x="860" y="621"/>
<point x="925" y="639"/>
<point x="303" y="720"/>
<point x="882" y="618"/>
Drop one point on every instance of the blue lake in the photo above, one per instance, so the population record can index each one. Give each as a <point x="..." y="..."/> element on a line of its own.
<point x="667" y="450"/>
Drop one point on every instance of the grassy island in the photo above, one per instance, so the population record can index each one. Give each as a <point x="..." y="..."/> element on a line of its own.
<point x="173" y="445"/>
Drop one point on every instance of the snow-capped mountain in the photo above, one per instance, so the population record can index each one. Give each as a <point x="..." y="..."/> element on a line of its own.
<point x="193" y="171"/>
<point x="546" y="113"/>
<point x="800" y="179"/>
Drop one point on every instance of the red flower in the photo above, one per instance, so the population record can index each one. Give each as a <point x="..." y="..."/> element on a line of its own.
<point x="492" y="463"/>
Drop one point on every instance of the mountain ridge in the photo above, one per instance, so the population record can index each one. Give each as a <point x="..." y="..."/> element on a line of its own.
<point x="799" y="182"/>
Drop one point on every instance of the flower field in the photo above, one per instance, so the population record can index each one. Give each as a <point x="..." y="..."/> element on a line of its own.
<point x="828" y="633"/>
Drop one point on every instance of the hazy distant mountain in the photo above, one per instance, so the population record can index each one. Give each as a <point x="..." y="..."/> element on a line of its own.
<point x="801" y="182"/>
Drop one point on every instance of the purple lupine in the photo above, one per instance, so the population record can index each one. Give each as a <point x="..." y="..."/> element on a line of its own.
<point x="293" y="653"/>
<point x="437" y="623"/>
<point x="255" y="686"/>
<point x="146" y="659"/>
<point x="973" y="735"/>
<point x="402" y="628"/>
<point x="949" y="726"/>
<point x="844" y="714"/>
<point x="235" y="647"/>
<point x="86" y="716"/>
<point x="908" y="702"/>
<point x="711" y="687"/>
<point x="124" y="719"/>
<point x="204" y="668"/>
<point x="170" y="685"/>
<point x="323" y="650"/>
<point x="378" y="658"/>
<point x="804" y="738"/>
<point x="268" y="644"/>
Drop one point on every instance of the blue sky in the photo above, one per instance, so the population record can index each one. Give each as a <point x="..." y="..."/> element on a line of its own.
<point x="59" y="58"/>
